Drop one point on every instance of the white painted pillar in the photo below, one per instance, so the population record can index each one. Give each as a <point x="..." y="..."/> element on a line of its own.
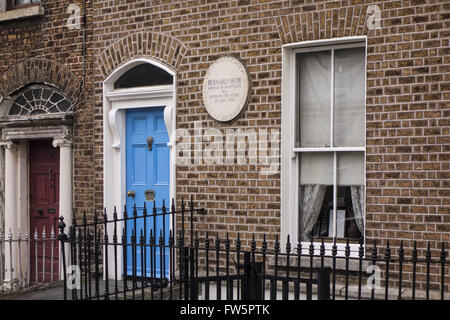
<point x="22" y="213"/>
<point x="65" y="179"/>
<point x="11" y="208"/>
<point x="23" y="196"/>
<point x="65" y="190"/>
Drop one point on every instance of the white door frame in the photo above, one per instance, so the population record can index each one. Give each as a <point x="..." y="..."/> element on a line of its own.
<point x="115" y="104"/>
<point x="17" y="181"/>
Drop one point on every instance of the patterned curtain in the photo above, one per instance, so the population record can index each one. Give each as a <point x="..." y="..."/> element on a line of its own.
<point x="311" y="199"/>
<point x="358" y="206"/>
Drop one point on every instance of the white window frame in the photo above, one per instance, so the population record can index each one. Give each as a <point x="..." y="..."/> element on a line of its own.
<point x="289" y="152"/>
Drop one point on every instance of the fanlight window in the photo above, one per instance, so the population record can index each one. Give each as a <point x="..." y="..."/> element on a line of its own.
<point x="143" y="75"/>
<point x="37" y="101"/>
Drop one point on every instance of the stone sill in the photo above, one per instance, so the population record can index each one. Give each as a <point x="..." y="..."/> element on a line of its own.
<point x="22" y="13"/>
<point x="305" y="263"/>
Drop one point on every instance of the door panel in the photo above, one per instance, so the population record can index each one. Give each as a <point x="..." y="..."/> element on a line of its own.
<point x="44" y="208"/>
<point x="148" y="168"/>
<point x="162" y="153"/>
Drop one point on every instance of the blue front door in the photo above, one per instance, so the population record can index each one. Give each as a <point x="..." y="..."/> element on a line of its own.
<point x="148" y="171"/>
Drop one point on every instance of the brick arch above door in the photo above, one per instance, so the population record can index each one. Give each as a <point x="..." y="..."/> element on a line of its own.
<point x="39" y="70"/>
<point x="167" y="49"/>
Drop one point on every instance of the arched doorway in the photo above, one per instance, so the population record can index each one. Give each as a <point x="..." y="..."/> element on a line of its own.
<point x="139" y="135"/>
<point x="36" y="136"/>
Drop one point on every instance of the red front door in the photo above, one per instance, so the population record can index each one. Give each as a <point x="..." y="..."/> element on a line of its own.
<point x="44" y="206"/>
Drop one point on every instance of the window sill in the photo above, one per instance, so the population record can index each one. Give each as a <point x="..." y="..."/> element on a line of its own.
<point x="305" y="263"/>
<point x="22" y="13"/>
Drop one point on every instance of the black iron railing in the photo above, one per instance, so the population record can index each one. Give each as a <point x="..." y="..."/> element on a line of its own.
<point x="139" y="256"/>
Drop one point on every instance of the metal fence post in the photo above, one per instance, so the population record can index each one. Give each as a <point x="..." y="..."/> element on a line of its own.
<point x="62" y="238"/>
<point x="252" y="281"/>
<point x="185" y="252"/>
<point x="245" y="283"/>
<point x="193" y="279"/>
<point x="323" y="280"/>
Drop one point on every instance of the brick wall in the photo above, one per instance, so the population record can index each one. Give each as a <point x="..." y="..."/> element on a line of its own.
<point x="407" y="101"/>
<point x="44" y="50"/>
<point x="407" y="124"/>
<point x="408" y="69"/>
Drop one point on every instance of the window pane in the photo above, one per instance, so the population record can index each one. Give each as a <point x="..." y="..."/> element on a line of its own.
<point x="349" y="214"/>
<point x="314" y="98"/>
<point x="316" y="195"/>
<point x="315" y="202"/>
<point x="143" y="75"/>
<point x="21" y="2"/>
<point x="350" y="168"/>
<point x="316" y="168"/>
<point x="349" y="97"/>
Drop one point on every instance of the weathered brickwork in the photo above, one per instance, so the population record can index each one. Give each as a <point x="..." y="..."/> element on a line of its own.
<point x="39" y="70"/>
<point x="407" y="101"/>
<point x="407" y="104"/>
<point x="44" y="50"/>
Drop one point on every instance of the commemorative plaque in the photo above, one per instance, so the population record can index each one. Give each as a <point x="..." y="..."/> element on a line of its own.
<point x="226" y="89"/>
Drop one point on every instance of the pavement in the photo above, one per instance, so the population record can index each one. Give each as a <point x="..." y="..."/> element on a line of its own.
<point x="55" y="291"/>
<point x="52" y="292"/>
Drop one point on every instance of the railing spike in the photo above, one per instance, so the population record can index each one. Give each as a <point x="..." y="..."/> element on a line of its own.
<point x="288" y="244"/>
<point x="196" y="241"/>
<point x="311" y="247"/>
<point x="277" y="244"/>
<point x="322" y="248"/>
<point x="253" y="244"/>
<point x="361" y="248"/>
<point x="125" y="213"/>
<point x="347" y="248"/>
<point x="264" y="244"/>
<point x="387" y="254"/>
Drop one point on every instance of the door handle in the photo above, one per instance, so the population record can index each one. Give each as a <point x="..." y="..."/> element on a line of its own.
<point x="150" y="143"/>
<point x="40" y="211"/>
<point x="131" y="193"/>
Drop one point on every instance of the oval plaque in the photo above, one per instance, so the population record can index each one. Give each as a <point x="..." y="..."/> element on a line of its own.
<point x="225" y="89"/>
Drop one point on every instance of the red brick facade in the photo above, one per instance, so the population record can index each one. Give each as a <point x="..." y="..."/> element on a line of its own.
<point x="407" y="105"/>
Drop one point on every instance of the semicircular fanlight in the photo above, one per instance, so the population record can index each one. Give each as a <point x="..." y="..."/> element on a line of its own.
<point x="40" y="100"/>
<point x="143" y="75"/>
